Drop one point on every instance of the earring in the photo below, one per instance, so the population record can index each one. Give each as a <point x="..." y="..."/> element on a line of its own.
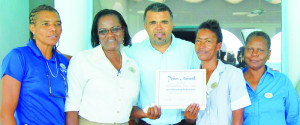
<point x="34" y="36"/>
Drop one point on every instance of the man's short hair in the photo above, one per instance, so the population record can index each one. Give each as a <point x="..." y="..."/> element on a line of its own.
<point x="158" y="7"/>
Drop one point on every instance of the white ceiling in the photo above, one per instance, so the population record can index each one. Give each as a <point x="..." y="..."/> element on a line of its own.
<point x="193" y="14"/>
<point x="217" y="9"/>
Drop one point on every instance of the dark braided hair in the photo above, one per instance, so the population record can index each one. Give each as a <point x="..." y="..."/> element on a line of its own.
<point x="34" y="12"/>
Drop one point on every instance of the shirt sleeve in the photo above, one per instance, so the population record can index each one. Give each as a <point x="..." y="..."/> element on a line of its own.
<point x="13" y="65"/>
<point x="75" y="84"/>
<point x="237" y="90"/>
<point x="292" y="106"/>
<point x="128" y="51"/>
<point x="196" y="62"/>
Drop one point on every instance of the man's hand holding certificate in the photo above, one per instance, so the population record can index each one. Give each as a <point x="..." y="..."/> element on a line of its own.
<point x="177" y="89"/>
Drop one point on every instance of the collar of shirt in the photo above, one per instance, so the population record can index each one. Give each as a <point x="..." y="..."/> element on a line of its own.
<point x="215" y="77"/>
<point x="100" y="55"/>
<point x="37" y="52"/>
<point x="268" y="72"/>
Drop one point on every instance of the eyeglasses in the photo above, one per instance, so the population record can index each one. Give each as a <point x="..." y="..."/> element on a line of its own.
<point x="66" y="89"/>
<point x="115" y="30"/>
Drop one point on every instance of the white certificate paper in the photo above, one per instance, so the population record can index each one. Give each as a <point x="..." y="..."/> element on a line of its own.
<point x="176" y="89"/>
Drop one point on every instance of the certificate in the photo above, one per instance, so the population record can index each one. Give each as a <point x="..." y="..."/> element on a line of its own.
<point x="177" y="89"/>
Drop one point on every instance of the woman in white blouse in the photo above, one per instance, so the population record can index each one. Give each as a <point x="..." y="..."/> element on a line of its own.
<point x="103" y="81"/>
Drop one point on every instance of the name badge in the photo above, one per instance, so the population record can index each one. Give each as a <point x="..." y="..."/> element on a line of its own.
<point x="214" y="85"/>
<point x="62" y="65"/>
<point x="131" y="69"/>
<point x="268" y="95"/>
<point x="63" y="68"/>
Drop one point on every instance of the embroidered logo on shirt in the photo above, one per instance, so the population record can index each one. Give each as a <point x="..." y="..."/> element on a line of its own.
<point x="214" y="85"/>
<point x="268" y="95"/>
<point x="62" y="65"/>
<point x="131" y="69"/>
<point x="63" y="68"/>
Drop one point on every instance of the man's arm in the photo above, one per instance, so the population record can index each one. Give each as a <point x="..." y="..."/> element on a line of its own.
<point x="152" y="113"/>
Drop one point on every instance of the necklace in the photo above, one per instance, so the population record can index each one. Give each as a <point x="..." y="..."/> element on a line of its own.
<point x="119" y="69"/>
<point x="50" y="69"/>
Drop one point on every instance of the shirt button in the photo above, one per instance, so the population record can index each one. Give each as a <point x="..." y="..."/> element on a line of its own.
<point x="120" y="99"/>
<point x="118" y="112"/>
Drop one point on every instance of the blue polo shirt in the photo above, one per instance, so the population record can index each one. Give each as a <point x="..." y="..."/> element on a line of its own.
<point x="275" y="101"/>
<point x="28" y="66"/>
<point x="179" y="55"/>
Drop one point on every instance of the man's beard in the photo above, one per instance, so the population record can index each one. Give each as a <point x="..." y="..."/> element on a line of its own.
<point x="160" y="41"/>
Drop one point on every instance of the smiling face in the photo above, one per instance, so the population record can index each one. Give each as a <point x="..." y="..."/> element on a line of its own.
<point x="159" y="27"/>
<point x="114" y="37"/>
<point x="206" y="45"/>
<point x="47" y="28"/>
<point x="257" y="53"/>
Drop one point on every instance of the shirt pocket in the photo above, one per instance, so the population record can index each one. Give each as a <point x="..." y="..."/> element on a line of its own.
<point x="272" y="104"/>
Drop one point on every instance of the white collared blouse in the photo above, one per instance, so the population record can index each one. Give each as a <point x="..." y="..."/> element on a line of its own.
<point x="98" y="91"/>
<point x="226" y="92"/>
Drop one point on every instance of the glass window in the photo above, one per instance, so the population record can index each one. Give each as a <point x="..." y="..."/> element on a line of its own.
<point x="275" y="58"/>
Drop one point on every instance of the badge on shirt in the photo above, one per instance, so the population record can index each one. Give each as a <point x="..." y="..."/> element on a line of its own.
<point x="268" y="95"/>
<point x="63" y="68"/>
<point x="214" y="85"/>
<point x="62" y="65"/>
<point x="131" y="69"/>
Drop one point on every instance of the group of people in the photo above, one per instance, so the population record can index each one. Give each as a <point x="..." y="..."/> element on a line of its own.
<point x="115" y="81"/>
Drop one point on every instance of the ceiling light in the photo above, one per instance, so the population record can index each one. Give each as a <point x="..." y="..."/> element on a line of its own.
<point x="194" y="1"/>
<point x="137" y="0"/>
<point x="234" y="1"/>
<point x="274" y="1"/>
<point x="159" y="1"/>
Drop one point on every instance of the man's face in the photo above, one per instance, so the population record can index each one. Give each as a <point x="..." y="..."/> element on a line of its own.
<point x="159" y="27"/>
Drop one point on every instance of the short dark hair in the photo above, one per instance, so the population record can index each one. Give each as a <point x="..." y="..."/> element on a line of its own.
<point x="157" y="7"/>
<point x="34" y="12"/>
<point x="95" y="37"/>
<point x="214" y="26"/>
<point x="260" y="34"/>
